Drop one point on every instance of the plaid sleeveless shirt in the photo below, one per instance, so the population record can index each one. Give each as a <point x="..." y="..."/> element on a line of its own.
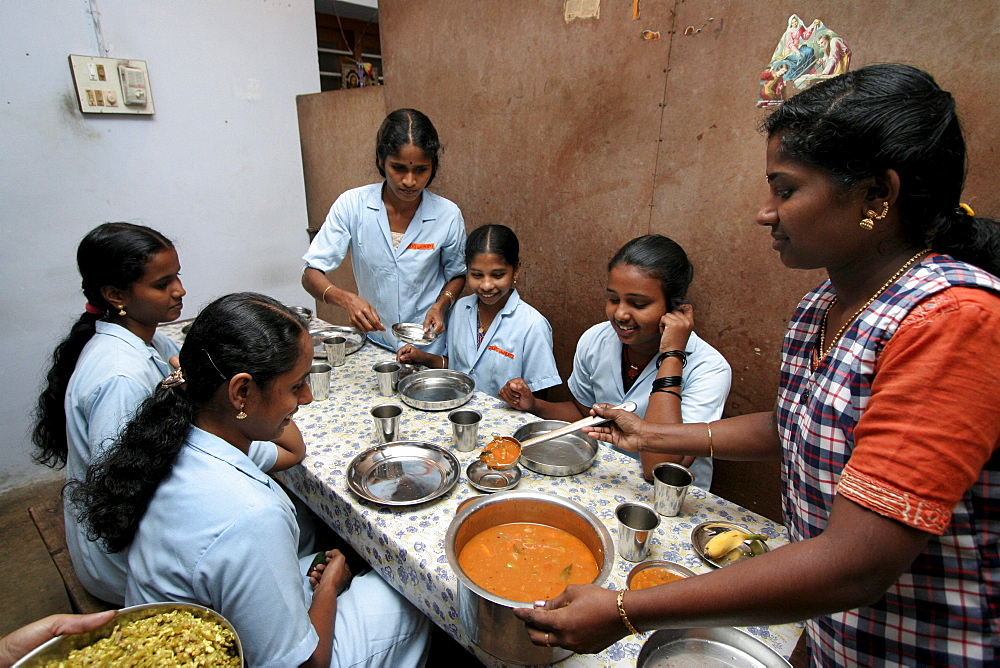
<point x="944" y="609"/>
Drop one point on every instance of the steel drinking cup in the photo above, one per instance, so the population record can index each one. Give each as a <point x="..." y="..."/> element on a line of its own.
<point x="387" y="377"/>
<point x="636" y="523"/>
<point x="336" y="350"/>
<point x="465" y="428"/>
<point x="319" y="381"/>
<point x="386" y="421"/>
<point x="670" y="486"/>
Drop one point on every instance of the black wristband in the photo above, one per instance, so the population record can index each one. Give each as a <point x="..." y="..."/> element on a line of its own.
<point x="679" y="354"/>
<point x="665" y="390"/>
<point x="667" y="381"/>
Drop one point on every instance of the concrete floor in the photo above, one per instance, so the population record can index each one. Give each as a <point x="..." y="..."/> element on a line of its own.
<point x="30" y="586"/>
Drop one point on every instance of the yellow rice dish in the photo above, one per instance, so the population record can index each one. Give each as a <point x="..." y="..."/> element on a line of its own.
<point x="176" y="638"/>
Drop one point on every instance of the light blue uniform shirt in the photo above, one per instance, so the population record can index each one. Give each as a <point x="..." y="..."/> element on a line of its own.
<point x="518" y="344"/>
<point x="705" y="382"/>
<point x="116" y="371"/>
<point x="401" y="284"/>
<point x="220" y="533"/>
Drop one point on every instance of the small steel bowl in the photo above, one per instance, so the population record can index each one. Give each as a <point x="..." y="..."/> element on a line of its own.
<point x="59" y="648"/>
<point x="412" y="333"/>
<point x="485" y="479"/>
<point x="666" y="565"/>
<point x="301" y="311"/>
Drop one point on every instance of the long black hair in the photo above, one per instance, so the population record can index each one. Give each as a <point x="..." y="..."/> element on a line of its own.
<point x="239" y="333"/>
<point x="855" y="126"/>
<point x="406" y="126"/>
<point x="496" y="239"/>
<point x="112" y="254"/>
<point x="663" y="259"/>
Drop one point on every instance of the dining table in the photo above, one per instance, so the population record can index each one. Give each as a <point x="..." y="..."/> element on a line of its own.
<point x="405" y="544"/>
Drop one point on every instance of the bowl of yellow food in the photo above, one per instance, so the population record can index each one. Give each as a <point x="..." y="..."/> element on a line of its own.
<point x="151" y="634"/>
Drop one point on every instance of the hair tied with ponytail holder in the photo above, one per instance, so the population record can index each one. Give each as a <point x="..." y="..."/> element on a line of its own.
<point x="173" y="380"/>
<point x="965" y="208"/>
<point x="93" y="310"/>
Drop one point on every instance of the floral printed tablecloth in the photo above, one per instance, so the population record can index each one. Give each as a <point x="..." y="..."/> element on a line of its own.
<point x="406" y="543"/>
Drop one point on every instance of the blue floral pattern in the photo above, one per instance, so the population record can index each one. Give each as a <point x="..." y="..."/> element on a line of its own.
<point x="405" y="544"/>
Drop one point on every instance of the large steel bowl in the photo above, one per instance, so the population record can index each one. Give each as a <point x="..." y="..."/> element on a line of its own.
<point x="58" y="649"/>
<point x="489" y="619"/>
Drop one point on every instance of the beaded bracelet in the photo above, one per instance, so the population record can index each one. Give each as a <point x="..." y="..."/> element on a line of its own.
<point x="667" y="381"/>
<point x="679" y="354"/>
<point x="666" y="391"/>
<point x="623" y="616"/>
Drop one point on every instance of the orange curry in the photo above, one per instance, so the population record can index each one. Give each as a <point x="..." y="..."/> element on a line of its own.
<point x="501" y="451"/>
<point x="653" y="576"/>
<point x="527" y="562"/>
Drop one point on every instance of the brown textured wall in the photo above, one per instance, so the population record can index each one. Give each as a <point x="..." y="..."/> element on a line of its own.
<point x="337" y="132"/>
<point x="581" y="136"/>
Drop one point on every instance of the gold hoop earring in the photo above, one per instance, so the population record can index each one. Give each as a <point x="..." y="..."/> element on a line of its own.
<point x="121" y="310"/>
<point x="241" y="415"/>
<point x="869" y="222"/>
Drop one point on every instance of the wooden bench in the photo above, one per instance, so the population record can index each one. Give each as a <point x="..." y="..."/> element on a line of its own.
<point x="48" y="519"/>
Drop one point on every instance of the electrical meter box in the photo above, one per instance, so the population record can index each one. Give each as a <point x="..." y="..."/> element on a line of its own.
<point x="111" y="85"/>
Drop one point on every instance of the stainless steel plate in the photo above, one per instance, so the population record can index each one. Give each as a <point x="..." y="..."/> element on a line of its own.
<point x="721" y="646"/>
<point x="403" y="473"/>
<point x="436" y="389"/>
<point x="355" y="338"/>
<point x="412" y="333"/>
<point x="58" y="648"/>
<point x="485" y="479"/>
<point x="704" y="532"/>
<point x="566" y="455"/>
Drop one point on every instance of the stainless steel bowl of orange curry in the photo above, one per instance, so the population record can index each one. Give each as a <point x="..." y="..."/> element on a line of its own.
<point x="513" y="548"/>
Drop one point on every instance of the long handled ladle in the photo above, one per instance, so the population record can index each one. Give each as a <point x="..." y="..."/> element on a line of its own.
<point x="590" y="421"/>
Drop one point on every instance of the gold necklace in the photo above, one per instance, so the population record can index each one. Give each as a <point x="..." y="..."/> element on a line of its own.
<point x="824" y="351"/>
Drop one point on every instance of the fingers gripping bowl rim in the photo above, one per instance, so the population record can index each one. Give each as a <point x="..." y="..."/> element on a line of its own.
<point x="60" y="647"/>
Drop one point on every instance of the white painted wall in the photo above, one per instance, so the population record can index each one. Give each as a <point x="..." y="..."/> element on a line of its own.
<point x="217" y="169"/>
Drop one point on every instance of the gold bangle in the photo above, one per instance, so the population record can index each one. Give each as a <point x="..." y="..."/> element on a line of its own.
<point x="323" y="298"/>
<point x="711" y="450"/>
<point x="624" y="617"/>
<point x="449" y="296"/>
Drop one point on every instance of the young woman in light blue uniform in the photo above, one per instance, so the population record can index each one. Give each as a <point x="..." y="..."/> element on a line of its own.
<point x="647" y="352"/>
<point x="407" y="244"/>
<point x="208" y="527"/>
<point x="494" y="335"/>
<point x="109" y="363"/>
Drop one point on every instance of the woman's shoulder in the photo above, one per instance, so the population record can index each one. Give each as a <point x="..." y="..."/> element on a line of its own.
<point x="525" y="311"/>
<point x="440" y="204"/>
<point x="363" y="196"/>
<point x="702" y="353"/>
<point x="597" y="338"/>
